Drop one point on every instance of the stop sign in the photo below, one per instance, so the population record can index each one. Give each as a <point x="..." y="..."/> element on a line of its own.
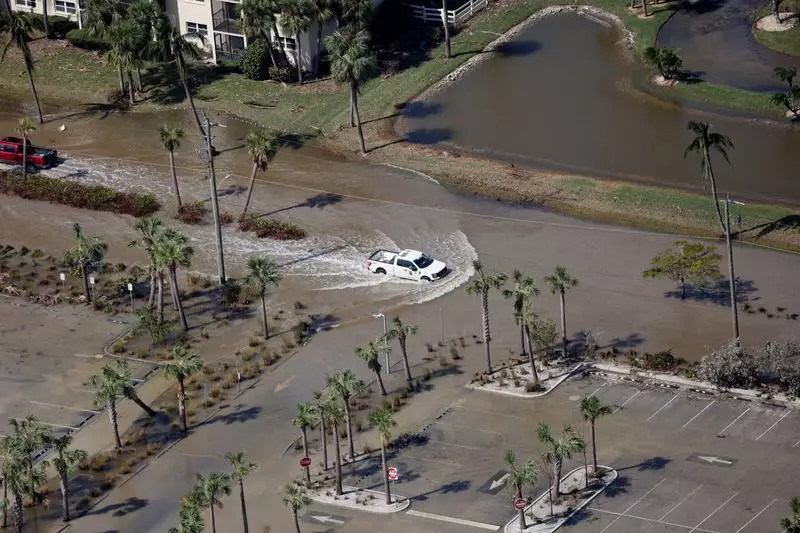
<point x="305" y="462"/>
<point x="519" y="504"/>
<point x="392" y="471"/>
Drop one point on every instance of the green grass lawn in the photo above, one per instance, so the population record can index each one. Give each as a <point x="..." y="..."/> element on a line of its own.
<point x="787" y="41"/>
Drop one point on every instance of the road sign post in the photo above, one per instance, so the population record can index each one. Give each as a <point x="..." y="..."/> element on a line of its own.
<point x="393" y="475"/>
<point x="130" y="290"/>
<point x="519" y="504"/>
<point x="305" y="462"/>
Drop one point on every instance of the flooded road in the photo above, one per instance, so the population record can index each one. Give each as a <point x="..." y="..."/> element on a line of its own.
<point x="563" y="95"/>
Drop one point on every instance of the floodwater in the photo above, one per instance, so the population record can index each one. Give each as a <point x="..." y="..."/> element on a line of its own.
<point x="564" y="95"/>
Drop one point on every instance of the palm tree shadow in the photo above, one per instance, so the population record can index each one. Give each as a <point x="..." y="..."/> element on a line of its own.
<point x="318" y="201"/>
<point x="238" y="415"/>
<point x="618" y="487"/>
<point x="787" y="223"/>
<point x="428" y="135"/>
<point x="454" y="487"/>
<point x="654" y="463"/>
<point x="123" y="508"/>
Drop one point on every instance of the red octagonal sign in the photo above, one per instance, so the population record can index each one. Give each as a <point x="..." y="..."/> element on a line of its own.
<point x="305" y="462"/>
<point x="392" y="471"/>
<point x="519" y="504"/>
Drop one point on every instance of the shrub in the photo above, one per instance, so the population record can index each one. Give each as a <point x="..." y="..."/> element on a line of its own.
<point x="659" y="361"/>
<point x="273" y="229"/>
<point x="215" y="392"/>
<point x="426" y="374"/>
<point x="533" y="387"/>
<point x="82" y="38"/>
<point x="281" y="74"/>
<point x="230" y="65"/>
<point x="729" y="366"/>
<point x="255" y="61"/>
<point x="192" y="212"/>
<point x="61" y="26"/>
<point x="225" y="218"/>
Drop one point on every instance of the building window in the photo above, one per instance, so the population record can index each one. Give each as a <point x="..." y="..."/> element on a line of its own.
<point x="194" y="27"/>
<point x="26" y="3"/>
<point x="65" y="7"/>
<point x="288" y="43"/>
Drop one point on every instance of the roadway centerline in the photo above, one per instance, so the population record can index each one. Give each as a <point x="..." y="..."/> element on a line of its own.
<point x="775" y="424"/>
<point x="635" y="394"/>
<point x="703" y="410"/>
<point x="664" y="406"/>
<point x="459" y="521"/>
<point x="734" y="421"/>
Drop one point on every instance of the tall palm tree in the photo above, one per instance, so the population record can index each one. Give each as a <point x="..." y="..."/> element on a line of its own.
<point x="561" y="281"/>
<point x="262" y="274"/>
<point x="88" y="251"/>
<point x="322" y="407"/>
<point x="296" y="499"/>
<point x="173" y="250"/>
<point x="370" y="354"/>
<point x="149" y="232"/>
<point x="19" y="27"/>
<point x="190" y="516"/>
<point x="335" y="415"/>
<point x="25" y="127"/>
<point x="481" y="284"/>
<point x="107" y="392"/>
<point x="304" y="419"/>
<point x="182" y="365"/>
<point x="120" y="371"/>
<point x="344" y="384"/>
<point x="592" y="409"/>
<point x="705" y="141"/>
<point x="9" y="455"/>
<point x="401" y="331"/>
<point x="296" y="19"/>
<point x="123" y="36"/>
<point x="242" y="467"/>
<point x="147" y="16"/>
<point x="559" y="450"/>
<point x="523" y="290"/>
<point x="212" y="487"/>
<point x="18" y="484"/>
<point x="792" y="523"/>
<point x="67" y="458"/>
<point x="321" y="12"/>
<point x="383" y="421"/>
<point x="30" y="437"/>
<point x="256" y="20"/>
<point x="262" y="145"/>
<point x="529" y="320"/>
<point x="99" y="15"/>
<point x="171" y="140"/>
<point x="520" y="476"/>
<point x="180" y="46"/>
<point x="353" y="13"/>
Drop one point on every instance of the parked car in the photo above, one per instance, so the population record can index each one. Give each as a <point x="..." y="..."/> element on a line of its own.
<point x="408" y="264"/>
<point x="11" y="149"/>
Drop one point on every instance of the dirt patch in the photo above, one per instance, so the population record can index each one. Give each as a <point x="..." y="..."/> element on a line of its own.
<point x="788" y="21"/>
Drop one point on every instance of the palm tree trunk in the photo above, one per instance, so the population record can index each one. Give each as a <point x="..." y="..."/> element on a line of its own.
<point x="380" y="382"/>
<point x="174" y="177"/>
<point x="563" y="322"/>
<point x="29" y="68"/>
<point x="245" y="527"/>
<point x="264" y="315"/>
<point x="5" y="492"/>
<point x="486" y="334"/>
<point x="64" y="483"/>
<point x="305" y="454"/>
<point x="354" y="100"/>
<point x="85" y="280"/>
<point x="139" y="78"/>
<point x="24" y="157"/>
<point x="296" y="521"/>
<point x="112" y="416"/>
<point x="447" y="52"/>
<point x="138" y="401"/>
<point x="19" y="512"/>
<point x="713" y="183"/>
<point x="522" y="524"/>
<point x="385" y="474"/>
<point x="775" y="11"/>
<point x="173" y="279"/>
<point x="284" y="57"/>
<point x="557" y="478"/>
<point x="683" y="289"/>
<point x="152" y="297"/>
<point x="8" y="10"/>
<point x="160" y="278"/>
<point x="532" y="359"/>
<point x="633" y="4"/>
<point x="250" y="188"/>
<point x="406" y="366"/>
<point x="337" y="460"/>
<point x="191" y="102"/>
<point x="644" y="6"/>
<point x="522" y="338"/>
<point x="131" y="89"/>
<point x="319" y="48"/>
<point x="324" y="431"/>
<point x="298" y="54"/>
<point x="121" y="78"/>
<point x="594" y="449"/>
<point x="270" y="50"/>
<point x="213" y="519"/>
<point x="349" y="421"/>
<point x="352" y="113"/>
<point x="45" y="19"/>
<point x="182" y="404"/>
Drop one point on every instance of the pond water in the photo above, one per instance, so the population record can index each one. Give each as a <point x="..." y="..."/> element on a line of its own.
<point x="566" y="95"/>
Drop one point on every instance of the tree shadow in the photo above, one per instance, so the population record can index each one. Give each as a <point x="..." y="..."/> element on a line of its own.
<point x="517" y="48"/>
<point x="318" y="201"/>
<point x="717" y="293"/>
<point x="166" y="86"/>
<point x="123" y="508"/>
<point x="428" y="135"/>
<point x="294" y="141"/>
<point x="654" y="463"/>
<point x="787" y="223"/>
<point x="618" y="487"/>
<point x="454" y="487"/>
<point x="631" y="341"/>
<point x="701" y="7"/>
<point x="238" y="415"/>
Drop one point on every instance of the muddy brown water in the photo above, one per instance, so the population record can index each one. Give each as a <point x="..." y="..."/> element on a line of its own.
<point x="566" y="95"/>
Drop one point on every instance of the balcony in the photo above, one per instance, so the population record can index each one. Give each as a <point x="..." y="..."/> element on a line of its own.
<point x="226" y="17"/>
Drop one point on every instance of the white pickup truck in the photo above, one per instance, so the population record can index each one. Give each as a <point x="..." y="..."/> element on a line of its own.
<point x="408" y="264"/>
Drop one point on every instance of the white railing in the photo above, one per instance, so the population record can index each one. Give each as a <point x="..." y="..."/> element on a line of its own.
<point x="454" y="16"/>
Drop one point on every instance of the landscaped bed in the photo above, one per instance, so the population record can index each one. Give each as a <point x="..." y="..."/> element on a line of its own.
<point x="516" y="379"/>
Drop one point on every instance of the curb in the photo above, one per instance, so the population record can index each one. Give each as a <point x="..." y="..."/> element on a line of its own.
<point x="529" y="395"/>
<point x="404" y="503"/>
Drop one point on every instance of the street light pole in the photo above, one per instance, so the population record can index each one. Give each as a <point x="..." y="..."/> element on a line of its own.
<point x="385" y="342"/>
<point x="732" y="280"/>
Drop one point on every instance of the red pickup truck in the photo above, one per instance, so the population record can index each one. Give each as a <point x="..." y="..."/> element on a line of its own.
<point x="11" y="152"/>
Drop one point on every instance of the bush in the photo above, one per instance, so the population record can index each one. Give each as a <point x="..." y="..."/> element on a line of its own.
<point x="230" y="65"/>
<point x="282" y="74"/>
<point x="729" y="366"/>
<point x="255" y="60"/>
<point x="659" y="361"/>
<point x="780" y="362"/>
<point x="274" y="229"/>
<point x="191" y="213"/>
<point x="82" y="38"/>
<point x="60" y="26"/>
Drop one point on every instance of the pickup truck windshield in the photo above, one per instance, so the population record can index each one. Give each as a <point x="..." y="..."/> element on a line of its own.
<point x="423" y="262"/>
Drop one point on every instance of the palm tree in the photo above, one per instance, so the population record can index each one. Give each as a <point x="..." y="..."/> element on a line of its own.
<point x="10" y="455"/>
<point x="88" y="250"/>
<point x="334" y="417"/>
<point x="66" y="460"/>
<point x="561" y="281"/>
<point x="25" y="127"/>
<point x="705" y="141"/>
<point x="523" y="290"/>
<point x="520" y="476"/>
<point x="558" y="451"/>
<point x="401" y="331"/>
<point x="107" y="392"/>
<point x="120" y="371"/>
<point x="180" y="47"/>
<point x="351" y="63"/>
<point x="30" y="436"/>
<point x="149" y="230"/>
<point x="123" y="37"/>
<point x="304" y="419"/>
<point x="786" y="75"/>
<point x="256" y="20"/>
<point x="19" y="479"/>
<point x="792" y="524"/>
<point x="190" y="517"/>
<point x="19" y="27"/>
<point x="148" y="17"/>
<point x="383" y="421"/>
<point x="295" y="19"/>
<point x="322" y="407"/>
<point x="353" y="13"/>
<point x="592" y="409"/>
<point x="173" y="250"/>
<point x="262" y="145"/>
<point x="322" y="12"/>
<point x="482" y="283"/>
<point x="211" y="488"/>
<point x="295" y="499"/>
<point x="99" y="15"/>
<point x="182" y="366"/>
<point x="370" y="354"/>
<point x="529" y="320"/>
<point x="263" y="273"/>
<point x="171" y="139"/>
<point x="242" y="467"/>
<point x="344" y="384"/>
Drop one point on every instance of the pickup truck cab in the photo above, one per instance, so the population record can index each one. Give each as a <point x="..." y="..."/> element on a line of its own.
<point x="11" y="149"/>
<point x="408" y="264"/>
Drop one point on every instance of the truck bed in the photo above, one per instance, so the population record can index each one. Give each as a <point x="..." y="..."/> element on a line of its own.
<point x="383" y="256"/>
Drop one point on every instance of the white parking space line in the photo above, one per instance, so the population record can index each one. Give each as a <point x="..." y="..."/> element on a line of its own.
<point x="756" y="516"/>
<point x="635" y="394"/>
<point x="459" y="521"/>
<point x="597" y="389"/>
<point x="443" y="443"/>
<point x="664" y="406"/>
<point x="795" y="444"/>
<point x="734" y="421"/>
<point x="45" y="404"/>
<point x="625" y="512"/>
<point x="47" y="424"/>
<point x="464" y="428"/>
<point x="703" y="410"/>
<point x="775" y="424"/>
<point x="723" y="504"/>
<point x="680" y="502"/>
<point x="651" y="520"/>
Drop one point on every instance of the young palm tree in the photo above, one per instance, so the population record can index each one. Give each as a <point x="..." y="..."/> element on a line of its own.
<point x="343" y="385"/>
<point x="383" y="421"/>
<point x="123" y="36"/>
<point x="561" y="281"/>
<point x="371" y="354"/>
<point x="401" y="331"/>
<point x="99" y="15"/>
<point x="211" y="488"/>
<point x="149" y="230"/>
<point x="522" y="292"/>
<point x="107" y="392"/>
<point x="25" y="127"/>
<point x="242" y="467"/>
<point x="173" y="250"/>
<point x="335" y="415"/>
<point x="180" y="47"/>
<point x="119" y="371"/>
<point x="183" y="365"/>
<point x="482" y="283"/>
<point x="190" y="517"/>
<point x="88" y="250"/>
<point x="257" y="20"/>
<point x="263" y="273"/>
<point x="321" y="12"/>
<point x="322" y="406"/>
<point x="792" y="523"/>
<point x="559" y="450"/>
<point x="592" y="409"/>
<point x="67" y="458"/>
<point x="171" y="139"/>
<point x="351" y="62"/>
<point x="262" y="145"/>
<point x="705" y="141"/>
<point x="296" y="499"/>
<point x="296" y="19"/>
<point x="10" y="455"/>
<point x="19" y="480"/>
<point x="19" y="27"/>
<point x="304" y="419"/>
<point x="30" y="436"/>
<point x="353" y="13"/>
<point x="520" y="476"/>
<point x="786" y="75"/>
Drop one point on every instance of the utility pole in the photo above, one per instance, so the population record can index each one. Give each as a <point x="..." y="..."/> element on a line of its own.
<point x="214" y="203"/>
<point x="731" y="276"/>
